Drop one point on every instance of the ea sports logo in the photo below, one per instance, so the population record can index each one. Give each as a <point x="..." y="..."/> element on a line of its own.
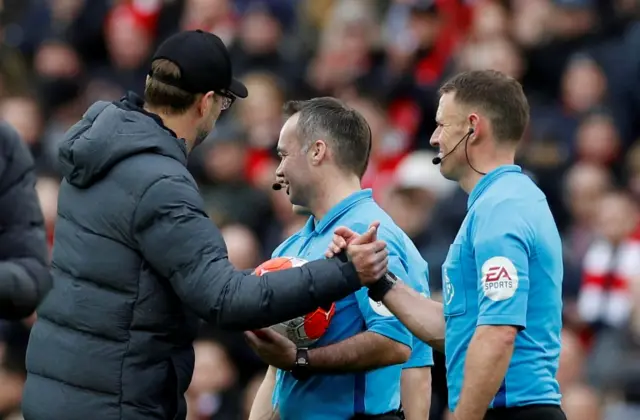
<point x="499" y="278"/>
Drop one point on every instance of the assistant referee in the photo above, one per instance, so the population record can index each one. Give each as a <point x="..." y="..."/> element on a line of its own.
<point x="502" y="315"/>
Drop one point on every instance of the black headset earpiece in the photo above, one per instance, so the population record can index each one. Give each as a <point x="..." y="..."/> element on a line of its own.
<point x="471" y="131"/>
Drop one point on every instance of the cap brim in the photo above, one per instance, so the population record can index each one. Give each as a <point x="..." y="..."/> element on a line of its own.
<point x="238" y="89"/>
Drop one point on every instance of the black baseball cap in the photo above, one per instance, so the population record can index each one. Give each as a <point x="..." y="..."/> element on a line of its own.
<point x="204" y="64"/>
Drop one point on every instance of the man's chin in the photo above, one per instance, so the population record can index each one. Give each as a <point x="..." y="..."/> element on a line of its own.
<point x="300" y="210"/>
<point x="448" y="173"/>
<point x="200" y="138"/>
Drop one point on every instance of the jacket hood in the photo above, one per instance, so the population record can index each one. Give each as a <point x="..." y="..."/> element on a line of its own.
<point x="110" y="132"/>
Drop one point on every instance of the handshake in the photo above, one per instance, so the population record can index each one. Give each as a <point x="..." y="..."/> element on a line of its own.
<point x="368" y="254"/>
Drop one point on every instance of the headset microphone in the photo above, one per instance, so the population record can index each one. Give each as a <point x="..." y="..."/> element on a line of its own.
<point x="437" y="160"/>
<point x="276" y="186"/>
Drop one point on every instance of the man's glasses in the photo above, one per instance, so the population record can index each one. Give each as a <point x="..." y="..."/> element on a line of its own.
<point x="227" y="99"/>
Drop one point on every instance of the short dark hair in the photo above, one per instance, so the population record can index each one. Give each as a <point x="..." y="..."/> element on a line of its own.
<point x="500" y="96"/>
<point x="170" y="99"/>
<point x="330" y="119"/>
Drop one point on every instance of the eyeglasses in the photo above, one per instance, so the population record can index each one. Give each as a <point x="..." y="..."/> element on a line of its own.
<point x="227" y="99"/>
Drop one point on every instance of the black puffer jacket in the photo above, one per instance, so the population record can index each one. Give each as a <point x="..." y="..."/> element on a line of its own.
<point x="135" y="261"/>
<point x="24" y="274"/>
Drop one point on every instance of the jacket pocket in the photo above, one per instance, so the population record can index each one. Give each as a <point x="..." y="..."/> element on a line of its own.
<point x="453" y="291"/>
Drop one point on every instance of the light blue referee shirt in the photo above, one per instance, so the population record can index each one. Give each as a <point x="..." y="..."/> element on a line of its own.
<point x="339" y="397"/>
<point x="505" y="268"/>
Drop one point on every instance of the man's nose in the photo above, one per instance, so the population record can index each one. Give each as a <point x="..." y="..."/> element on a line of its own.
<point x="434" y="141"/>
<point x="279" y="173"/>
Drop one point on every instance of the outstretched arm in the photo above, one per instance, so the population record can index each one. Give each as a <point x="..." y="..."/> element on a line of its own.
<point x="182" y="244"/>
<point x="421" y="315"/>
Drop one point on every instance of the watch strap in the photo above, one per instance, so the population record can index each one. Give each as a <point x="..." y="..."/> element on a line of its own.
<point x="301" y="369"/>
<point x="379" y="289"/>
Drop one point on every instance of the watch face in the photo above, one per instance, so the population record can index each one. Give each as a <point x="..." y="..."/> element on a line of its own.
<point x="302" y="358"/>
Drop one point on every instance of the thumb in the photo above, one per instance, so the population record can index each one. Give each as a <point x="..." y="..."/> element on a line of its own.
<point x="369" y="236"/>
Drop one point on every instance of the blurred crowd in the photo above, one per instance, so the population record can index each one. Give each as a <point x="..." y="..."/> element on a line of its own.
<point x="579" y="62"/>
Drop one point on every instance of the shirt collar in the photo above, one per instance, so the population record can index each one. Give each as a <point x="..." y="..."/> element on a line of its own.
<point x="337" y="211"/>
<point x="488" y="179"/>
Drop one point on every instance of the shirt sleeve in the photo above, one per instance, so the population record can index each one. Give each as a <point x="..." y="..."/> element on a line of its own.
<point x="421" y="355"/>
<point x="377" y="317"/>
<point x="501" y="243"/>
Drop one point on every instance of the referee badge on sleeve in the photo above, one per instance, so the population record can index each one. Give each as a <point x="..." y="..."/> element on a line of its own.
<point x="379" y="308"/>
<point x="499" y="278"/>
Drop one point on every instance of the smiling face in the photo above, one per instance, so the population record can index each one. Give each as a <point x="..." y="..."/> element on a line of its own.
<point x="452" y="127"/>
<point x="294" y="171"/>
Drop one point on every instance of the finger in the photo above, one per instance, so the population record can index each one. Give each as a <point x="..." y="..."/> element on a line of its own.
<point x="378" y="246"/>
<point x="381" y="268"/>
<point x="259" y="333"/>
<point x="345" y="233"/>
<point x="369" y="236"/>
<point x="271" y="336"/>
<point x="334" y="248"/>
<point x="252" y="339"/>
<point x="375" y="224"/>
<point x="339" y="242"/>
<point x="379" y="259"/>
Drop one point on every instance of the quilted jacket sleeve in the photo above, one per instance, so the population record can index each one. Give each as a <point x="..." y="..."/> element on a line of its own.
<point x="182" y="244"/>
<point x="24" y="274"/>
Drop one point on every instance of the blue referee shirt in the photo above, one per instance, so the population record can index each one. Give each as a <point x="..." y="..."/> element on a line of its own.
<point x="505" y="268"/>
<point x="339" y="397"/>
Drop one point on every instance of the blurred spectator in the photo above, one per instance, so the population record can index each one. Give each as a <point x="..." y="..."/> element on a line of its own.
<point x="412" y="200"/>
<point x="585" y="184"/>
<point x="597" y="140"/>
<point x="607" y="298"/>
<point x="211" y="393"/>
<point x="47" y="189"/>
<point x="582" y="403"/>
<point x="633" y="170"/>
<point x="243" y="247"/>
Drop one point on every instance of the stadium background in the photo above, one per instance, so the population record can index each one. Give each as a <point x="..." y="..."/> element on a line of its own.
<point x="579" y="61"/>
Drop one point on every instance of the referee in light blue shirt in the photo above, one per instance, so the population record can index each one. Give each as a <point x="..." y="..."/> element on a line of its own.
<point x="501" y="316"/>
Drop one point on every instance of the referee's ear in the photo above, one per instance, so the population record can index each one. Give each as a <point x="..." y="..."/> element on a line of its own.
<point x="318" y="152"/>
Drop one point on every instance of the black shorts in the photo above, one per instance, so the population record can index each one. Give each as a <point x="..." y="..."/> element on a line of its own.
<point x="529" y="412"/>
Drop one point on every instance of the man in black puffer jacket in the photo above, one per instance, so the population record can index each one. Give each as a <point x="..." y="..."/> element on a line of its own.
<point x="24" y="274"/>
<point x="136" y="260"/>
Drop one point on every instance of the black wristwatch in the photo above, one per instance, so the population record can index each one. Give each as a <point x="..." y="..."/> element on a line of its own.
<point x="301" y="369"/>
<point x="380" y="288"/>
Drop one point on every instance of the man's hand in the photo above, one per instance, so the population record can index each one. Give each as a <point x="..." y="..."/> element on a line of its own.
<point x="274" y="349"/>
<point x="368" y="254"/>
<point x="342" y="237"/>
